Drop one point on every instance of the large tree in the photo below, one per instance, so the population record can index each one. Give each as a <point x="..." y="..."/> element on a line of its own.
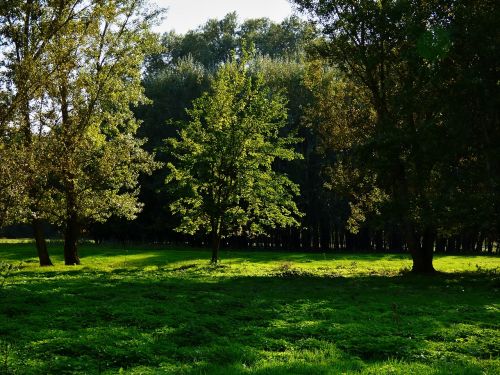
<point x="408" y="60"/>
<point x="87" y="77"/>
<point x="225" y="155"/>
<point x="93" y="91"/>
<point x="389" y="48"/>
<point x="27" y="28"/>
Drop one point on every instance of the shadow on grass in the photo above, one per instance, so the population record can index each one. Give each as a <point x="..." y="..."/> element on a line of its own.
<point x="179" y="322"/>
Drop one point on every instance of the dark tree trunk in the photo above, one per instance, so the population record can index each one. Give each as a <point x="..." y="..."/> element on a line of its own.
<point x="286" y="236"/>
<point x="396" y="240"/>
<point x="479" y="243"/>
<point x="336" y="241"/>
<point x="379" y="241"/>
<point x="421" y="253"/>
<point x="466" y="243"/>
<point x="316" y="237"/>
<point x="490" y="246"/>
<point x="41" y="244"/>
<point x="295" y="243"/>
<point x="71" y="233"/>
<point x="428" y="239"/>
<point x="306" y="239"/>
<point x="72" y="225"/>
<point x="362" y="239"/>
<point x="215" y="247"/>
<point x="440" y="245"/>
<point x="452" y="245"/>
<point x="349" y="242"/>
<point x="325" y="239"/>
<point x="216" y="236"/>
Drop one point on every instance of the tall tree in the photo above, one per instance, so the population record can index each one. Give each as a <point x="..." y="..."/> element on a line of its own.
<point x="93" y="91"/>
<point x="225" y="155"/>
<point x="376" y="44"/>
<point x="26" y="31"/>
<point x="87" y="77"/>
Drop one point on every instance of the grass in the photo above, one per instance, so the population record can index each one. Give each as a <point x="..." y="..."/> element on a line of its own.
<point x="167" y="311"/>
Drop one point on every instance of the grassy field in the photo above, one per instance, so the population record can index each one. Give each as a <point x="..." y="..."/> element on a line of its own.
<point x="167" y="311"/>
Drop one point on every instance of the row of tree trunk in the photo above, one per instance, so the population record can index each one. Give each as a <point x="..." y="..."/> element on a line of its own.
<point x="421" y="246"/>
<point x="367" y="241"/>
<point x="70" y="243"/>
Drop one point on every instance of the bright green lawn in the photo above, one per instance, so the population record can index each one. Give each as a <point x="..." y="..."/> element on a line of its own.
<point x="148" y="311"/>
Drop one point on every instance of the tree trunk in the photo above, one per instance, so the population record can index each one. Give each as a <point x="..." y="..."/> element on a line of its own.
<point x="396" y="240"/>
<point x="452" y="245"/>
<point x="421" y="253"/>
<point x="490" y="246"/>
<point x="336" y="241"/>
<point x="41" y="244"/>
<point x="306" y="238"/>
<point x="71" y="257"/>
<point x="215" y="245"/>
<point x="72" y="226"/>
<point x="315" y="236"/>
<point x="325" y="238"/>
<point x="349" y="242"/>
<point x="440" y="245"/>
<point x="379" y="241"/>
<point x="479" y="243"/>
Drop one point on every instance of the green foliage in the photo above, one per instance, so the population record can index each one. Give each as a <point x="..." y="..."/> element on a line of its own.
<point x="225" y="157"/>
<point x="212" y="43"/>
<point x="101" y="159"/>
<point x="402" y="61"/>
<point x="73" y="71"/>
<point x="341" y="115"/>
<point x="26" y="30"/>
<point x="13" y="186"/>
<point x="157" y="310"/>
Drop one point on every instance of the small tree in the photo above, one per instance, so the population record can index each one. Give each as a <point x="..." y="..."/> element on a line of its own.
<point x="223" y="171"/>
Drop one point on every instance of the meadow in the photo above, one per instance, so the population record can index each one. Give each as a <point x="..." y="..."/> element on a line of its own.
<point x="147" y="310"/>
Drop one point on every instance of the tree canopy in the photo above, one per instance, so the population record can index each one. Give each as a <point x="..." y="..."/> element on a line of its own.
<point x="71" y="90"/>
<point x="225" y="156"/>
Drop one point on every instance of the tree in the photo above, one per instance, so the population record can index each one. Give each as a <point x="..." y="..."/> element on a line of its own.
<point x="341" y="117"/>
<point x="87" y="77"/>
<point x="93" y="91"/>
<point x="390" y="49"/>
<point x="224" y="159"/>
<point x="428" y="72"/>
<point x="26" y="31"/>
<point x="211" y="44"/>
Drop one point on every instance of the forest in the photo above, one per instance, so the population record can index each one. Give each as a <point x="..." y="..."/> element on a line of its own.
<point x="352" y="147"/>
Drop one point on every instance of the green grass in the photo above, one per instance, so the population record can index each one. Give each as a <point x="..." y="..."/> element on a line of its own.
<point x="167" y="311"/>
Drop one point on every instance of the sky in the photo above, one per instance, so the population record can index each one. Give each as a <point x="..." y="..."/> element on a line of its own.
<point x="184" y="15"/>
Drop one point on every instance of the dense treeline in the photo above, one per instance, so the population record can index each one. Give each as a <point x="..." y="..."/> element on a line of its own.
<point x="395" y="107"/>
<point x="321" y="110"/>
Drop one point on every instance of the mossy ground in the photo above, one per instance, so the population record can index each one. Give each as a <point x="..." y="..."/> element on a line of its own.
<point x="167" y="311"/>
